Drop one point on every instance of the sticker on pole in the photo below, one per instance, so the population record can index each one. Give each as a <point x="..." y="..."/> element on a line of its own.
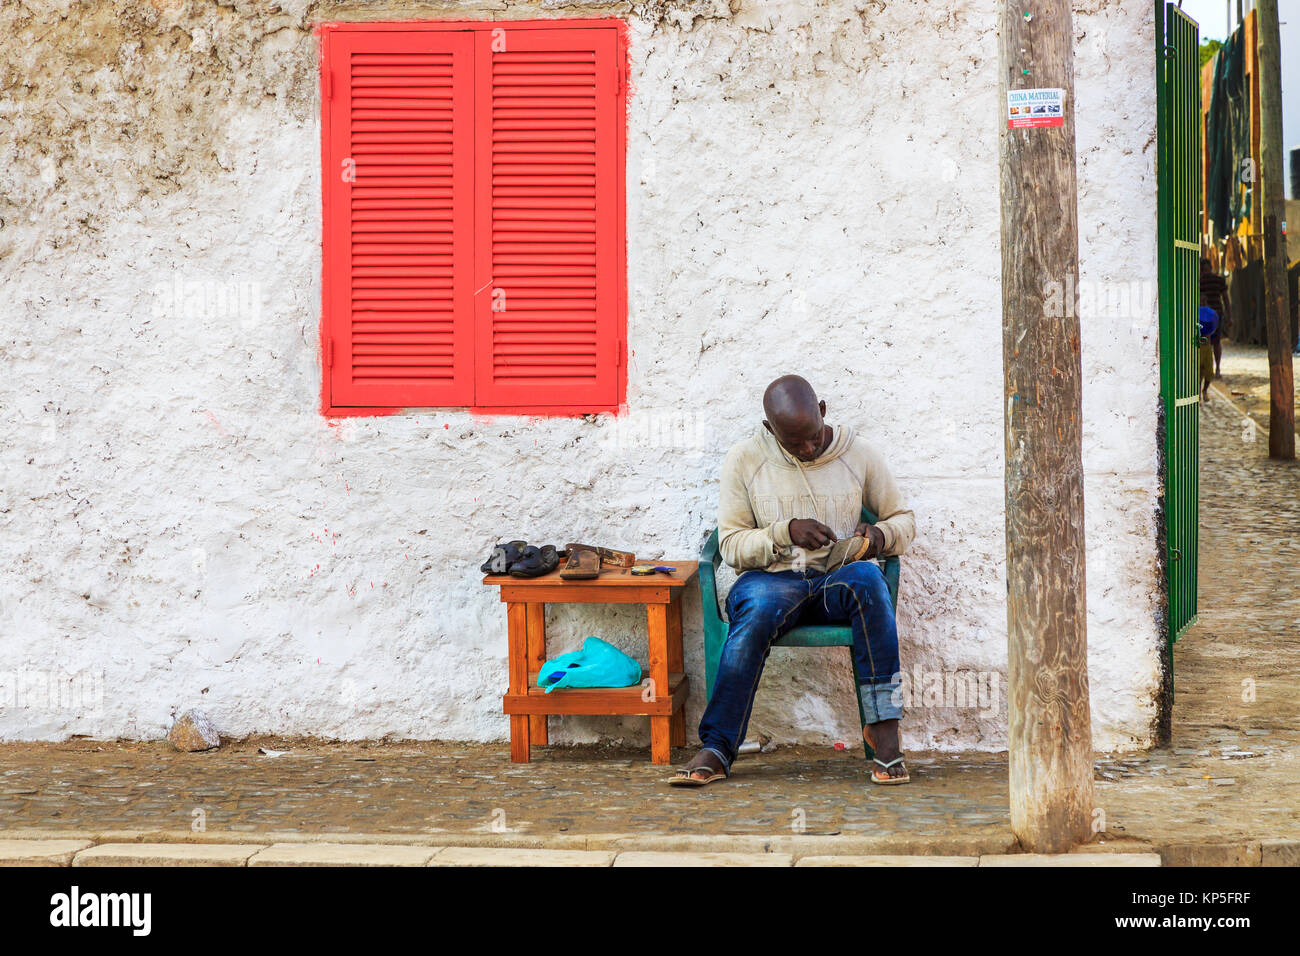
<point x="1027" y="108"/>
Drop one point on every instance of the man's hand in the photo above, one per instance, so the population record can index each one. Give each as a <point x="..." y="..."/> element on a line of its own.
<point x="810" y="534"/>
<point x="874" y="534"/>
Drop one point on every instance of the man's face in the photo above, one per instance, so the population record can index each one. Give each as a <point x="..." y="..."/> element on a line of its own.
<point x="801" y="437"/>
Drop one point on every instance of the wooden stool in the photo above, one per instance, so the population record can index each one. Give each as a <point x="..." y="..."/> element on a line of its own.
<point x="662" y="698"/>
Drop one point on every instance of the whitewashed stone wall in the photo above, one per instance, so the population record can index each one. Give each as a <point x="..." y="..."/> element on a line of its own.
<point x="812" y="187"/>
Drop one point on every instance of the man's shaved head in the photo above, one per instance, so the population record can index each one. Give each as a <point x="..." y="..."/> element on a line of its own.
<point x="789" y="395"/>
<point x="794" y="417"/>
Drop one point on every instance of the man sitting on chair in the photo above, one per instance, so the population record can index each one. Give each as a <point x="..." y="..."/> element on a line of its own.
<point x="788" y="518"/>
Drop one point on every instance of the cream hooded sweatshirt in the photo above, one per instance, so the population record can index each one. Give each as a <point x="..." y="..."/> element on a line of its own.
<point x="764" y="487"/>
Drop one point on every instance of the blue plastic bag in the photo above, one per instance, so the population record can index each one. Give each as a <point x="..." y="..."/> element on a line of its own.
<point x="598" y="664"/>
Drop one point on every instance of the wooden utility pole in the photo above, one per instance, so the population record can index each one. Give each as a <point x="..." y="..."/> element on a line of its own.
<point x="1277" y="299"/>
<point x="1049" y="722"/>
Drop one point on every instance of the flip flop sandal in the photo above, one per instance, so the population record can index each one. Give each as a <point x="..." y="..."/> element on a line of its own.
<point x="846" y="551"/>
<point x="687" y="778"/>
<point x="583" y="564"/>
<point x="884" y="779"/>
<point x="535" y="562"/>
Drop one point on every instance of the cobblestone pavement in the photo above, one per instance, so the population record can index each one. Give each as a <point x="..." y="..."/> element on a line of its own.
<point x="1244" y="371"/>
<point x="433" y="787"/>
<point x="1231" y="774"/>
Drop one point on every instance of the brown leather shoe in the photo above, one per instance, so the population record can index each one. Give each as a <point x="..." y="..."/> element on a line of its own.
<point x="583" y="563"/>
<point x="846" y="551"/>
<point x="608" y="556"/>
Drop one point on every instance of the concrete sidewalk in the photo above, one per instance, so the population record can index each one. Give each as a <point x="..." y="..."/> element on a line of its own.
<point x="1227" y="791"/>
<point x="796" y="801"/>
<point x="605" y="851"/>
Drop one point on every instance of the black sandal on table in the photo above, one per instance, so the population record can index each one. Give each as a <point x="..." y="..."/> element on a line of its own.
<point x="503" y="556"/>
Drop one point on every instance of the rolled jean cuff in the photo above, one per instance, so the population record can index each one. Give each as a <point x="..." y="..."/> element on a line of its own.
<point x="726" y="764"/>
<point x="881" y="701"/>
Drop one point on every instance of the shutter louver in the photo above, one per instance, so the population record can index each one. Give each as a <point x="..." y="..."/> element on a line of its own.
<point x="399" y="238"/>
<point x="472" y="218"/>
<point x="546" y="200"/>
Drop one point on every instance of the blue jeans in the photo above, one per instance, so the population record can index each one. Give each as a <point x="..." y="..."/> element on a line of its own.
<point x="764" y="605"/>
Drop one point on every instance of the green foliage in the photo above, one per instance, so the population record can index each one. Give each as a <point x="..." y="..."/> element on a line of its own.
<point x="1208" y="49"/>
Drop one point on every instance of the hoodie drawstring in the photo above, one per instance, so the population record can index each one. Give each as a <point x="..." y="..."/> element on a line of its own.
<point x="816" y="511"/>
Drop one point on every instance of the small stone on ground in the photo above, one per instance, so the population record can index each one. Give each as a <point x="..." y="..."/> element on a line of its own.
<point x="194" y="731"/>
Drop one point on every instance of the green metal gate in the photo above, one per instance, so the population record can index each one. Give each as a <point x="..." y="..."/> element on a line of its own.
<point x="1178" y="182"/>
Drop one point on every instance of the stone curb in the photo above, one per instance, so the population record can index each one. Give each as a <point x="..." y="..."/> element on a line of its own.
<point x="503" y="856"/>
<point x="640" y="858"/>
<point x="797" y="845"/>
<point x="1280" y="853"/>
<point x="1090" y="860"/>
<point x="164" y="848"/>
<point x="1211" y="854"/>
<point x="40" y="852"/>
<point x="909" y="861"/>
<point x="343" y="854"/>
<point x="166" y="854"/>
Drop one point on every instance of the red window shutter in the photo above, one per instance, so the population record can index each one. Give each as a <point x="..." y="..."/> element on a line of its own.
<point x="398" y="239"/>
<point x="546" y="255"/>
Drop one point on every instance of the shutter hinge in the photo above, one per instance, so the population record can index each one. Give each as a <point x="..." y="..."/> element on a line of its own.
<point x="329" y="84"/>
<point x="619" y="80"/>
<point x="329" y="353"/>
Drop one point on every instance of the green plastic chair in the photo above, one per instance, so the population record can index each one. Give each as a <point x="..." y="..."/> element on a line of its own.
<point x="715" y="628"/>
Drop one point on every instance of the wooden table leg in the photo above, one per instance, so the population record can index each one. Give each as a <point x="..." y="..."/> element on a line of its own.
<point x="535" y="619"/>
<point x="517" y="630"/>
<point x="676" y="665"/>
<point x="660" y="727"/>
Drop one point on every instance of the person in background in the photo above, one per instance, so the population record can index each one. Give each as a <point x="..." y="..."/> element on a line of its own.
<point x="1208" y="320"/>
<point x="1214" y="294"/>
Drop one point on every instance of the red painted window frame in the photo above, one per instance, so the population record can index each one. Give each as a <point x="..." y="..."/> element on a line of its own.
<point x="324" y="32"/>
